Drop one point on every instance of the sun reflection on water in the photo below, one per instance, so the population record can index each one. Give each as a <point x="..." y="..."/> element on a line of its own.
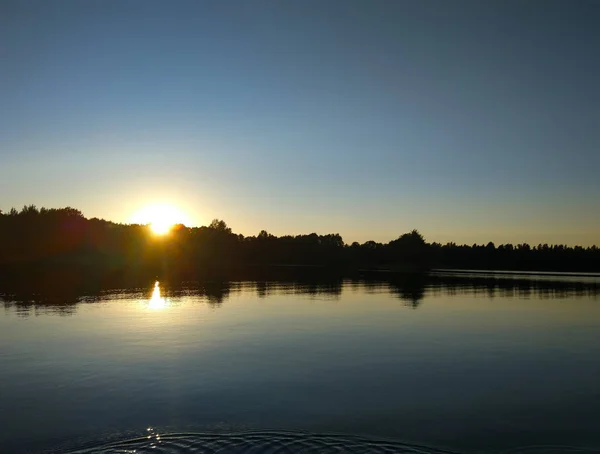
<point x="156" y="301"/>
<point x="152" y="433"/>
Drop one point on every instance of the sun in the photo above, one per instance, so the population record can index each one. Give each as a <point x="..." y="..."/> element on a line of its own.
<point x="160" y="227"/>
<point x="160" y="217"/>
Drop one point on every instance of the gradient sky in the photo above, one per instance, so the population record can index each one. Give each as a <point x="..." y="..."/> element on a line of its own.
<point x="470" y="121"/>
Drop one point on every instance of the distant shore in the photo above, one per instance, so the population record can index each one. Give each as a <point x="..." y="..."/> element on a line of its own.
<point x="33" y="240"/>
<point x="516" y="272"/>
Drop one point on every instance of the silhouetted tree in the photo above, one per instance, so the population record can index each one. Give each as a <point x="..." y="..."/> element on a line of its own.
<point x="47" y="238"/>
<point x="219" y="225"/>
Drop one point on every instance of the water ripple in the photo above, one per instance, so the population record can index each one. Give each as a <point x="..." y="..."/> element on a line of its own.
<point x="278" y="442"/>
<point x="263" y="442"/>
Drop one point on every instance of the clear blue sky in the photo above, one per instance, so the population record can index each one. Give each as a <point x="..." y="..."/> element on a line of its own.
<point x="470" y="121"/>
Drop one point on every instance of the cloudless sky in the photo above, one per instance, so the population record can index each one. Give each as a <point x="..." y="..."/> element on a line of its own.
<point x="468" y="120"/>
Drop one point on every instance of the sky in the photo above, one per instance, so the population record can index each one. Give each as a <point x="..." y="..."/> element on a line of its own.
<point x="471" y="121"/>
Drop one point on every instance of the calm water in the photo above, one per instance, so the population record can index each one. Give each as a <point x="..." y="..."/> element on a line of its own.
<point x="454" y="364"/>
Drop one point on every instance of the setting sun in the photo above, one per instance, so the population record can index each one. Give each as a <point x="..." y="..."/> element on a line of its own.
<point x="160" y="217"/>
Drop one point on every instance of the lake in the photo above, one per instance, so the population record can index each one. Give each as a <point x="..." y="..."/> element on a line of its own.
<point x="448" y="362"/>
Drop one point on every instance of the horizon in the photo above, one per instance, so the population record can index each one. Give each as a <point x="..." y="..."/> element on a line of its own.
<point x="469" y="122"/>
<point x="164" y="229"/>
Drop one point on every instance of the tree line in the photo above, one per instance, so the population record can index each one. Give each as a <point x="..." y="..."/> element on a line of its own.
<point x="33" y="238"/>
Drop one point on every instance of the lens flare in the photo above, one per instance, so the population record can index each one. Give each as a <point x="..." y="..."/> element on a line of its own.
<point x="160" y="217"/>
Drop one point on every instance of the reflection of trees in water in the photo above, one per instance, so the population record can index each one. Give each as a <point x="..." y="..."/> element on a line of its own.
<point x="54" y="301"/>
<point x="60" y="294"/>
<point x="412" y="288"/>
<point x="262" y="289"/>
<point x="216" y="292"/>
<point x="324" y="288"/>
<point x="513" y="287"/>
<point x="58" y="291"/>
<point x="328" y="289"/>
<point x="40" y="307"/>
<point x="411" y="292"/>
<point x="409" y="288"/>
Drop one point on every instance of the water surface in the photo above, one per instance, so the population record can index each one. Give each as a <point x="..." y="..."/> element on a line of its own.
<point x="448" y="363"/>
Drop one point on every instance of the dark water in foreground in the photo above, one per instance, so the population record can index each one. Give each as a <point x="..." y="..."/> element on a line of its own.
<point x="446" y="364"/>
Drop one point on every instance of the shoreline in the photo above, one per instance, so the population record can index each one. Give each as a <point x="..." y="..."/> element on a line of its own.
<point x="515" y="272"/>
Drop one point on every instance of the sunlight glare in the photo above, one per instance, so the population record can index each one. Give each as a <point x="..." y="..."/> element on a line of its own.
<point x="156" y="301"/>
<point x="160" y="217"/>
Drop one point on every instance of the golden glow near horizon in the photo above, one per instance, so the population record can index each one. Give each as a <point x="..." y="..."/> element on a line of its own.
<point x="160" y="217"/>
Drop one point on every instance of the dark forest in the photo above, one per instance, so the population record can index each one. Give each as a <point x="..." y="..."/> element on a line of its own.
<point x="35" y="238"/>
